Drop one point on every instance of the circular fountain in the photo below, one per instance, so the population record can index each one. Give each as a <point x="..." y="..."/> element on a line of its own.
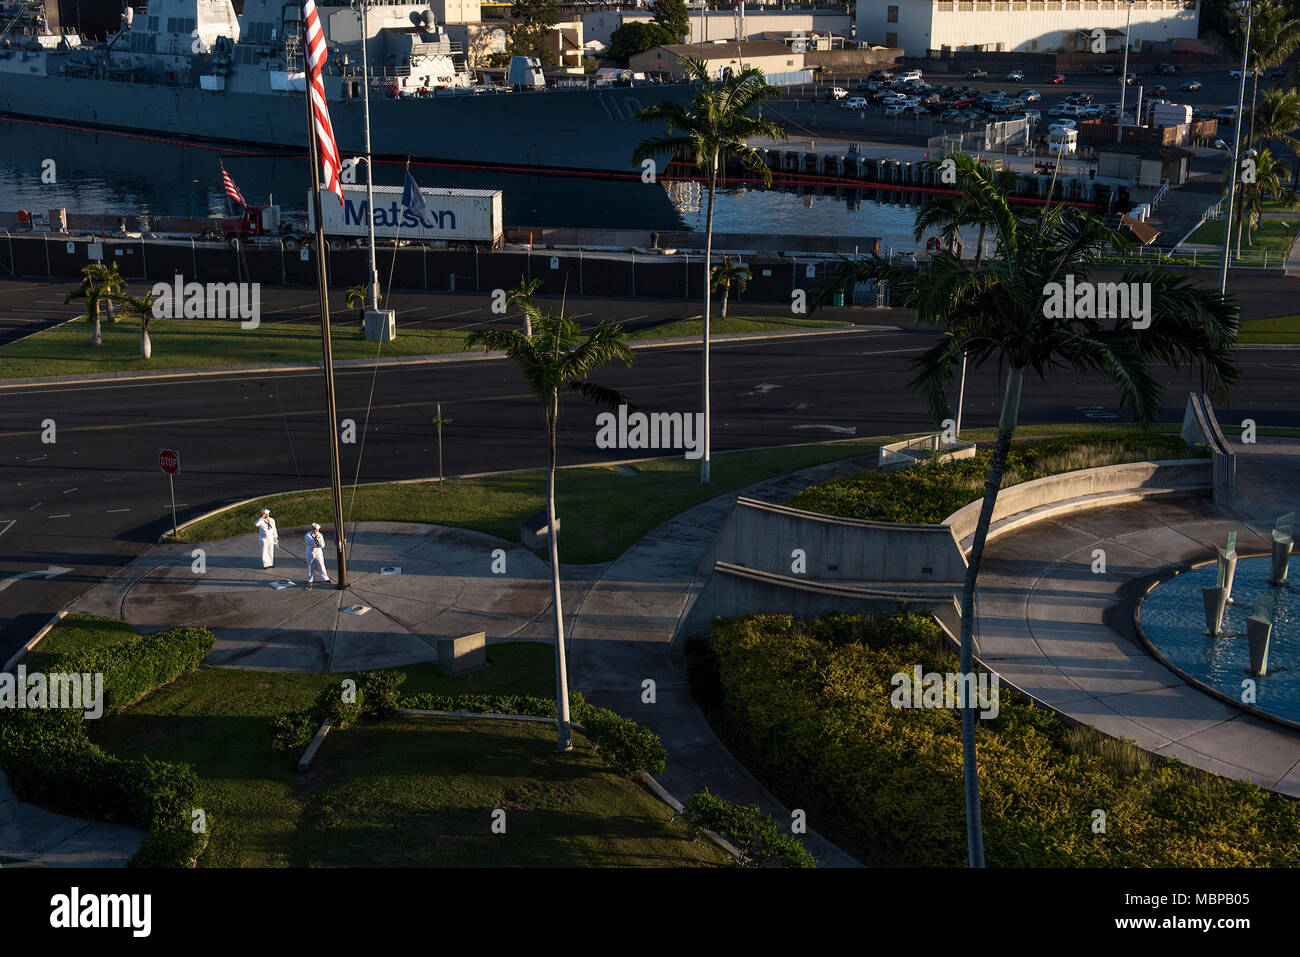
<point x="1232" y="627"/>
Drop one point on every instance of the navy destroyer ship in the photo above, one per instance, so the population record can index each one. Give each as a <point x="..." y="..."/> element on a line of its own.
<point x="193" y="69"/>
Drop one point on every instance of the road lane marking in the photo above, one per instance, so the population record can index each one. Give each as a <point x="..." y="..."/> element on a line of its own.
<point x="110" y="511"/>
<point x="64" y="515"/>
<point x="51" y="571"/>
<point x="68" y="491"/>
<point x="38" y="458"/>
<point x="11" y="524"/>
<point x="32" y="508"/>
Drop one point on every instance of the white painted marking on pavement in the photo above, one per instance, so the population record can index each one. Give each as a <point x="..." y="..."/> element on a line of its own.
<point x="110" y="511"/>
<point x="68" y="491"/>
<point x="64" y="515"/>
<point x="11" y="524"/>
<point x="51" y="572"/>
<point x="36" y="506"/>
<point x="830" y="428"/>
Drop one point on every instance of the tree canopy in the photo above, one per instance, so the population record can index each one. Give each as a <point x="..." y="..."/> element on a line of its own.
<point x="673" y="17"/>
<point x="637" y="37"/>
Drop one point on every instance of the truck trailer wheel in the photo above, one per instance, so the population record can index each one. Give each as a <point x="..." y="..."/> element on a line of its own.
<point x="291" y="243"/>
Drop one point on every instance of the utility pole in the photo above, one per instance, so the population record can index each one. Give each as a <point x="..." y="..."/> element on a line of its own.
<point x="1236" y="144"/>
<point x="370" y="189"/>
<point x="1123" y="76"/>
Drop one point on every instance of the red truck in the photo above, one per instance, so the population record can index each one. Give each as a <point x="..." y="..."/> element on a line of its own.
<point x="257" y="222"/>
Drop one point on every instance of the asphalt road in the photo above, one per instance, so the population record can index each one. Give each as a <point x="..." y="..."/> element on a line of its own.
<point x="94" y="497"/>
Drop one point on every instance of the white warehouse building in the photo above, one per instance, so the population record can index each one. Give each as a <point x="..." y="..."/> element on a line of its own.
<point x="1027" y="26"/>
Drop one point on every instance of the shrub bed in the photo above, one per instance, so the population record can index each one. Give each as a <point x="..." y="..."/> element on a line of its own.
<point x="50" y="761"/>
<point x="930" y="492"/>
<point x="752" y="832"/>
<point x="813" y="698"/>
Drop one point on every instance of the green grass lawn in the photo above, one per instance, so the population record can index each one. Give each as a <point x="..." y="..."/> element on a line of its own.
<point x="403" y="791"/>
<point x="695" y="326"/>
<point x="1275" y="329"/>
<point x="76" y="633"/>
<point x="195" y="343"/>
<point x="602" y="512"/>
<point x="1271" y="235"/>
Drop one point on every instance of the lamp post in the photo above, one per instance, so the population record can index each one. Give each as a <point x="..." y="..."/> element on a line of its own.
<point x="370" y="190"/>
<point x="1238" y="6"/>
<point x="1123" y="75"/>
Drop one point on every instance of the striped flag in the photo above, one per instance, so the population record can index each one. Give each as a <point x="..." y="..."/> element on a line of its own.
<point x="232" y="191"/>
<point x="327" y="149"/>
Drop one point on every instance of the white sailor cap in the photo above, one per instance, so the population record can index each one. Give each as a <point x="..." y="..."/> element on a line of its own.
<point x="315" y="524"/>
<point x="266" y="511"/>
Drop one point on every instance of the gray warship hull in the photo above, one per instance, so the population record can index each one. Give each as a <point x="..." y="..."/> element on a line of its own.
<point x="562" y="129"/>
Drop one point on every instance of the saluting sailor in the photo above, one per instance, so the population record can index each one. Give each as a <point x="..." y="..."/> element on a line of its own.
<point x="316" y="555"/>
<point x="268" y="536"/>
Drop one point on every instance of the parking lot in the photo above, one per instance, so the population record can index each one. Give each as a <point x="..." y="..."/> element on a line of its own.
<point x="810" y="110"/>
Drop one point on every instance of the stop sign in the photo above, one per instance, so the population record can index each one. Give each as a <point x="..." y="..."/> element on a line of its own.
<point x="169" y="461"/>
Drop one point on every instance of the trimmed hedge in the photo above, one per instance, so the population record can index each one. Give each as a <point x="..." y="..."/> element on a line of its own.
<point x="753" y="833"/>
<point x="50" y="761"/>
<point x="625" y="745"/>
<point x="812" y="699"/>
<point x="930" y="492"/>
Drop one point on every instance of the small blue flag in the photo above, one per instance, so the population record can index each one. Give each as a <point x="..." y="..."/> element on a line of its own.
<point x="413" y="200"/>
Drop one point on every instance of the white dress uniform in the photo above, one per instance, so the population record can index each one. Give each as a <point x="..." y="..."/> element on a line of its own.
<point x="315" y="556"/>
<point x="267" y="537"/>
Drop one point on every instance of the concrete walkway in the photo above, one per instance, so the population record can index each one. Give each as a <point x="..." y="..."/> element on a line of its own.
<point x="29" y="833"/>
<point x="621" y="620"/>
<point x="1052" y="628"/>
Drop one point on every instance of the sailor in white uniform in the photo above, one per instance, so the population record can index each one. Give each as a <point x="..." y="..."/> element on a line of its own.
<point x="315" y="555"/>
<point x="268" y="536"/>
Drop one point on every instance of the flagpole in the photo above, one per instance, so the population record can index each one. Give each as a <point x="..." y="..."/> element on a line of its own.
<point x="370" y="190"/>
<point x="331" y="411"/>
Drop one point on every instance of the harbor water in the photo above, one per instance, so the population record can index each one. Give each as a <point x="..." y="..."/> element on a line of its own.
<point x="122" y="174"/>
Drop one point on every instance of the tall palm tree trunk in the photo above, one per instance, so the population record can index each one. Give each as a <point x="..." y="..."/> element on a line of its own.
<point x="96" y="333"/>
<point x="708" y="266"/>
<point x="726" y="289"/>
<point x="970" y="770"/>
<point x="979" y="249"/>
<point x="564" y="737"/>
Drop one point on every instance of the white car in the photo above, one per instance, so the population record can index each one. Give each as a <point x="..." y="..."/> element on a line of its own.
<point x="854" y="103"/>
<point x="893" y="99"/>
<point x="1033" y="116"/>
<point x="910" y="75"/>
<point x="838" y="93"/>
<point x="1015" y="76"/>
<point x="1065" y="109"/>
<point x="897" y="109"/>
<point x="1061" y="125"/>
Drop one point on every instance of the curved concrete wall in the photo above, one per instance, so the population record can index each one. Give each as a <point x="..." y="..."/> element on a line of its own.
<point x="763" y="536"/>
<point x="1141" y="478"/>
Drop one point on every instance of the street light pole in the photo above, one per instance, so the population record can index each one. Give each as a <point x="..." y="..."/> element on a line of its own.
<point x="1123" y="76"/>
<point x="1236" y="145"/>
<point x="370" y="189"/>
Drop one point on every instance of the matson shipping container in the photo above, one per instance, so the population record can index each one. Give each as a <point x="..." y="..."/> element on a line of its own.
<point x="471" y="216"/>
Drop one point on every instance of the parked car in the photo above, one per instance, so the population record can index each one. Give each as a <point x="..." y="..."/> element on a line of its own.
<point x="953" y="116"/>
<point x="1236" y="74"/>
<point x="1107" y="69"/>
<point x="1162" y="91"/>
<point x="1033" y="116"/>
<point x="992" y="95"/>
<point x="1276" y="74"/>
<point x="880" y="75"/>
<point x="1029" y="96"/>
<point x="1191" y="86"/>
<point x="1166" y="69"/>
<point x="838" y="93"/>
<point x="1065" y="109"/>
<point x="1227" y="115"/>
<point x="893" y="99"/>
<point x="1056" y="79"/>
<point x="1079" y="99"/>
<point x="982" y="74"/>
<point x="911" y="75"/>
<point x="1060" y="125"/>
<point x="1016" y="76"/>
<point x="855" y="103"/>
<point x="896" y="109"/>
<point x="1092" y="110"/>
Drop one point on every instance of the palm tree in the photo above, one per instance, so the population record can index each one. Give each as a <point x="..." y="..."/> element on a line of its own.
<point x="1268" y="184"/>
<point x="99" y="285"/>
<point x="1274" y="36"/>
<point x="1278" y="118"/>
<point x="143" y="308"/>
<point x="715" y="126"/>
<point x="997" y="315"/>
<point x="948" y="212"/>
<point x="726" y="274"/>
<point x="552" y="358"/>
